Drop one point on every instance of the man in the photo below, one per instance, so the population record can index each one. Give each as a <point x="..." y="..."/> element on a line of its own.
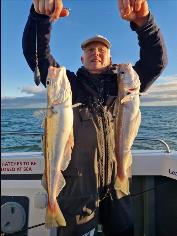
<point x="90" y="195"/>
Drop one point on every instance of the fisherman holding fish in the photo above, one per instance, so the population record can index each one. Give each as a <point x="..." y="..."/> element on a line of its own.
<point x="88" y="162"/>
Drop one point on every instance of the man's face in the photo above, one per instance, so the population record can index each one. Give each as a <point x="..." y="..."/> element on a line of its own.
<point x="96" y="57"/>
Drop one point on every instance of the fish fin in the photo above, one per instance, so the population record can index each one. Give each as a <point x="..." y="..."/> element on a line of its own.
<point x="144" y="94"/>
<point x="68" y="151"/>
<point x="60" y="182"/>
<point x="123" y="185"/>
<point x="40" y="115"/>
<point x="54" y="216"/>
<point x="127" y="98"/>
<point x="43" y="181"/>
<point x="77" y="105"/>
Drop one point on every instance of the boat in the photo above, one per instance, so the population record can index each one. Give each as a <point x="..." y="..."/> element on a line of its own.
<point x="153" y="190"/>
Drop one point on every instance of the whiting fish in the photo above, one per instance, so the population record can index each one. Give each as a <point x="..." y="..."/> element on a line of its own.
<point x="128" y="119"/>
<point x="58" y="141"/>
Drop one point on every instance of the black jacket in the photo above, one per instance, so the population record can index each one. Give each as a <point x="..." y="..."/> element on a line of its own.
<point x="153" y="57"/>
<point x="92" y="170"/>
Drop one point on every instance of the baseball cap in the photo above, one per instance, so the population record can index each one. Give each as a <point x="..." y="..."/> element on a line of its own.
<point x="96" y="38"/>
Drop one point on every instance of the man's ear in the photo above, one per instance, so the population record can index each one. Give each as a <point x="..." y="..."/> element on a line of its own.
<point x="82" y="59"/>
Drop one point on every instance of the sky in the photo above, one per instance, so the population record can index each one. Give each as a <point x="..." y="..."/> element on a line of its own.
<point x="87" y="18"/>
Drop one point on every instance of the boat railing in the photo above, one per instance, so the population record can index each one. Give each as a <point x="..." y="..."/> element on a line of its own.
<point x="166" y="146"/>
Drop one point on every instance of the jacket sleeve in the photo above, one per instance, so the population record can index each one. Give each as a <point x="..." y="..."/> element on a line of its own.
<point x="153" y="55"/>
<point x="38" y="25"/>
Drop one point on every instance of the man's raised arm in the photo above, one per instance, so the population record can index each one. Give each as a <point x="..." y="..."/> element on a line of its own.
<point x="153" y="56"/>
<point x="38" y="27"/>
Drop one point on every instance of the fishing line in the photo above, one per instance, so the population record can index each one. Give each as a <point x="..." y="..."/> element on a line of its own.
<point x="37" y="76"/>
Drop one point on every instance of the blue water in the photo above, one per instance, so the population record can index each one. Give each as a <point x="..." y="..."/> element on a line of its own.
<point x="157" y="123"/>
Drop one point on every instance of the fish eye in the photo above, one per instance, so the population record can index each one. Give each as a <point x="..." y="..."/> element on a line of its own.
<point x="48" y="82"/>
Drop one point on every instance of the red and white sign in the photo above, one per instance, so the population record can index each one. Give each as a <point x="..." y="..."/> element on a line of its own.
<point x="29" y="165"/>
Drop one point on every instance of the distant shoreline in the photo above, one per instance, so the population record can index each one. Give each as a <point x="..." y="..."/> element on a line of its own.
<point x="10" y="108"/>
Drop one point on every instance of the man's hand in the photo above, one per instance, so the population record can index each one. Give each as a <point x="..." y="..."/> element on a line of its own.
<point x="52" y="8"/>
<point x="134" y="10"/>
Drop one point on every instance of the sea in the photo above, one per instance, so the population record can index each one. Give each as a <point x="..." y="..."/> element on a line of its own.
<point x="158" y="123"/>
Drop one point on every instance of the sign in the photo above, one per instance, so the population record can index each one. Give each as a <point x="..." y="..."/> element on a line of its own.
<point x="21" y="166"/>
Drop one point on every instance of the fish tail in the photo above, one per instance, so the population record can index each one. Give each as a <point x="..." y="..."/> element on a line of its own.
<point x="54" y="216"/>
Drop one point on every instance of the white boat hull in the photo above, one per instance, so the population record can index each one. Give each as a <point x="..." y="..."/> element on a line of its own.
<point x="21" y="174"/>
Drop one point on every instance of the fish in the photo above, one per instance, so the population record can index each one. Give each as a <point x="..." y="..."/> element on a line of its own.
<point x="58" y="141"/>
<point x="127" y="121"/>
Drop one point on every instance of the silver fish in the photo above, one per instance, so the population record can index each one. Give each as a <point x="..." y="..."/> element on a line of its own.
<point x="128" y="119"/>
<point x="58" y="141"/>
